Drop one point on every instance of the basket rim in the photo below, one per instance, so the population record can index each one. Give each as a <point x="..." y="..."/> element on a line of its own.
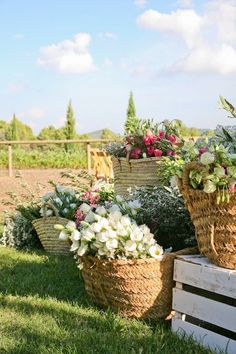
<point x="145" y="159"/>
<point x="43" y="218"/>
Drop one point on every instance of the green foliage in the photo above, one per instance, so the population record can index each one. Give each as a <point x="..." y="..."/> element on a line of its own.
<point x="51" y="133"/>
<point x="19" y="131"/>
<point x="13" y="131"/>
<point x="45" y="159"/>
<point x="108" y="134"/>
<point x="19" y="233"/>
<point x="227" y="106"/>
<point x="131" y="119"/>
<point x="188" y="131"/>
<point x="163" y="211"/>
<point x="4" y="127"/>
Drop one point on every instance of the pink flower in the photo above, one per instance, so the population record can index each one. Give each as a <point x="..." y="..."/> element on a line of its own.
<point x="149" y="139"/>
<point x="150" y="150"/>
<point x="135" y="153"/>
<point x="161" y="134"/>
<point x="202" y="150"/>
<point x="232" y="188"/>
<point x="157" y="152"/>
<point x="79" y="216"/>
<point x="171" y="138"/>
<point x="169" y="153"/>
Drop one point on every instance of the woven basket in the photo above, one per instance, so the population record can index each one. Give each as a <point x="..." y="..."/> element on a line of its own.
<point x="131" y="173"/>
<point x="215" y="224"/>
<point x="49" y="237"/>
<point x="140" y="288"/>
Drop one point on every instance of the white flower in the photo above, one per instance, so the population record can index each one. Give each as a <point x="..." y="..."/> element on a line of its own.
<point x="119" y="199"/>
<point x="96" y="227"/>
<point x="145" y="229"/>
<point x="121" y="231"/>
<point x="130" y="246"/>
<point x="209" y="187"/>
<point x="74" y="246"/>
<point x="125" y="220"/>
<point x="63" y="236"/>
<point x="219" y="171"/>
<point x="71" y="225"/>
<point x="87" y="235"/>
<point x="207" y="158"/>
<point x="85" y="208"/>
<point x="49" y="212"/>
<point x="134" y="204"/>
<point x="156" y="251"/>
<point x="114" y="208"/>
<point x="111" y="244"/>
<point x="111" y="233"/>
<point x="174" y="181"/>
<point x="115" y="216"/>
<point x="136" y="235"/>
<point x="59" y="227"/>
<point x="101" y="211"/>
<point x="148" y="239"/>
<point x="83" y="249"/>
<point x="101" y="252"/>
<point x="90" y="217"/>
<point x="75" y="236"/>
<point x="102" y="236"/>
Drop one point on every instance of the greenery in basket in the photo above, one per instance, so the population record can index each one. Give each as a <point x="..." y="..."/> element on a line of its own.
<point x="107" y="231"/>
<point x="147" y="139"/>
<point x="162" y="209"/>
<point x="214" y="169"/>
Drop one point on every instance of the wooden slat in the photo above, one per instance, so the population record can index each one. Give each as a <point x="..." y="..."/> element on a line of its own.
<point x="208" y="310"/>
<point x="205" y="337"/>
<point x="187" y="270"/>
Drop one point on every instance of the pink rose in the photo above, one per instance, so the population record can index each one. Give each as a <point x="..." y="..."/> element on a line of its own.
<point x="135" y="153"/>
<point x="171" y="138"/>
<point x="169" y="153"/>
<point x="161" y="134"/>
<point x="150" y="150"/>
<point x="157" y="152"/>
<point x="149" y="139"/>
<point x="202" y="150"/>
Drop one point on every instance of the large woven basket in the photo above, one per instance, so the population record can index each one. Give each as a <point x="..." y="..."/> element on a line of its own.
<point x="215" y="224"/>
<point x="49" y="237"/>
<point x="131" y="173"/>
<point x="140" y="288"/>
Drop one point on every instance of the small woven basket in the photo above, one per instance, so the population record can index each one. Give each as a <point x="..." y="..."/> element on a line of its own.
<point x="140" y="288"/>
<point x="49" y="237"/>
<point x="215" y="224"/>
<point x="132" y="173"/>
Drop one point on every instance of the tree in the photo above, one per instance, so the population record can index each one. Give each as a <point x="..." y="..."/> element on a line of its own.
<point x="13" y="131"/>
<point x="70" y="128"/>
<point x="108" y="134"/>
<point x="131" y="119"/>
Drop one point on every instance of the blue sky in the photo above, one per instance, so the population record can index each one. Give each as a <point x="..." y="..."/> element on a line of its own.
<point x="176" y="56"/>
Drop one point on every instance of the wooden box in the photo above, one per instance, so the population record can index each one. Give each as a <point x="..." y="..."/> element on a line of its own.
<point x="204" y="301"/>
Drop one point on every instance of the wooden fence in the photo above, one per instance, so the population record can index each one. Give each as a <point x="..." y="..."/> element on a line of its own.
<point x="87" y="142"/>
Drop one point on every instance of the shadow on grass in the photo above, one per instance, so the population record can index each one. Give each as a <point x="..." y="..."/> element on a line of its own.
<point x="41" y="274"/>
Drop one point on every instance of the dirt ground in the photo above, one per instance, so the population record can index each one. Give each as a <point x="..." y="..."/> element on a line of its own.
<point x="26" y="183"/>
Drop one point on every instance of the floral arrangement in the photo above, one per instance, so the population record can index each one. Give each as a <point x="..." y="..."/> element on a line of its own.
<point x="107" y="231"/>
<point x="148" y="139"/>
<point x="215" y="172"/>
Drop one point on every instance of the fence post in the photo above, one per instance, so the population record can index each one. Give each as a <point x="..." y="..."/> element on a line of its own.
<point x="10" y="160"/>
<point x="89" y="159"/>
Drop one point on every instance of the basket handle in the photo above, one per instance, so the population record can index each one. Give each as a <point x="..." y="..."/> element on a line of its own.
<point x="51" y="206"/>
<point x="212" y="240"/>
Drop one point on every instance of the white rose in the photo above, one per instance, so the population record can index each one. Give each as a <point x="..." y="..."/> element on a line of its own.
<point x="111" y="244"/>
<point x="156" y="251"/>
<point x="96" y="227"/>
<point x="83" y="249"/>
<point x="145" y="229"/>
<point x="102" y="236"/>
<point x="125" y="220"/>
<point x="149" y="239"/>
<point x="74" y="246"/>
<point x="136" y="235"/>
<point x="209" y="187"/>
<point x="85" y="208"/>
<point x="115" y="216"/>
<point x="75" y="236"/>
<point x="63" y="236"/>
<point x="87" y="235"/>
<point x="71" y="226"/>
<point x="207" y="158"/>
<point x="101" y="211"/>
<point x="130" y="246"/>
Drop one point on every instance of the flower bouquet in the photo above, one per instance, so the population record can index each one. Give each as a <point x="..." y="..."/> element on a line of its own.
<point x="122" y="265"/>
<point x="135" y="161"/>
<point x="207" y="180"/>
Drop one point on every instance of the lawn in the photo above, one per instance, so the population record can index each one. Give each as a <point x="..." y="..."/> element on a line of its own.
<point x="44" y="309"/>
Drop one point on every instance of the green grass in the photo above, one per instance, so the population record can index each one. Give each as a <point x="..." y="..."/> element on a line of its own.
<point x="44" y="309"/>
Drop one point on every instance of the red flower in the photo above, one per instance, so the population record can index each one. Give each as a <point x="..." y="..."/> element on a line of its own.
<point x="202" y="150"/>
<point x="161" y="134"/>
<point x="149" y="139"/>
<point x="150" y="150"/>
<point x="135" y="153"/>
<point x="171" y="138"/>
<point x="157" y="152"/>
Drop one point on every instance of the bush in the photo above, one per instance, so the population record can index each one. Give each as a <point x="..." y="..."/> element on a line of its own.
<point x="19" y="233"/>
<point x="163" y="211"/>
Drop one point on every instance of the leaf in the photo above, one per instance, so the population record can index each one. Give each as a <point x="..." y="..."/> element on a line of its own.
<point x="227" y="135"/>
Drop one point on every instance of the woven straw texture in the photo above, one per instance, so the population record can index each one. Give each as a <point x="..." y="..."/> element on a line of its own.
<point x="49" y="237"/>
<point x="215" y="225"/>
<point x="131" y="173"/>
<point x="139" y="288"/>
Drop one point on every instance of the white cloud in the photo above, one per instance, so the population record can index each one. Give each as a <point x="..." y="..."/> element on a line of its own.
<point x="185" y="3"/>
<point x="210" y="38"/>
<point x="140" y="3"/>
<point x="69" y="56"/>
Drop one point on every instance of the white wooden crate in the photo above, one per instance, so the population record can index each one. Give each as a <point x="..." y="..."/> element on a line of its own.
<point x="204" y="300"/>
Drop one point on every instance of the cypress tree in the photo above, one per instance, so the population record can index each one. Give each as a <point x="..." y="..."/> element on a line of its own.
<point x="131" y="119"/>
<point x="14" y="129"/>
<point x="70" y="129"/>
